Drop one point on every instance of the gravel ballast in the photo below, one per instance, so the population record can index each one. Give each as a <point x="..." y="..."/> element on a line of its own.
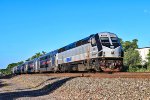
<point x="30" y="87"/>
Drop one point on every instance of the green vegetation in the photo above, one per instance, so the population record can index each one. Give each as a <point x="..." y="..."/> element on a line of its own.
<point x="36" y="55"/>
<point x="7" y="71"/>
<point x="132" y="58"/>
<point x="148" y="63"/>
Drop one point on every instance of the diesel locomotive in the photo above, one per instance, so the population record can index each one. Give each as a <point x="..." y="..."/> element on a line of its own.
<point x="98" y="52"/>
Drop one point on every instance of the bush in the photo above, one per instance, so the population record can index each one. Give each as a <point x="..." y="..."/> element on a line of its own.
<point x="132" y="69"/>
<point x="139" y="68"/>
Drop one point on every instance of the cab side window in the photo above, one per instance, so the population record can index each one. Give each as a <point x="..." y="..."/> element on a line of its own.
<point x="93" y="42"/>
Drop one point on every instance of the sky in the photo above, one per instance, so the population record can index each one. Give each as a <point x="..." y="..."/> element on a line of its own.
<point x="31" y="26"/>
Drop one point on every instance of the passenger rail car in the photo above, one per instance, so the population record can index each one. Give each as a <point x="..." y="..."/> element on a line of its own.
<point x="99" y="52"/>
<point x="48" y="62"/>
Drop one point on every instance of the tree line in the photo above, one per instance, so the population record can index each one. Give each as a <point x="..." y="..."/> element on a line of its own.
<point x="132" y="59"/>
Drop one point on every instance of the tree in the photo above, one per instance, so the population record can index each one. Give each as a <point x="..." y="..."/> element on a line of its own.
<point x="127" y="44"/>
<point x="121" y="41"/>
<point x="28" y="59"/>
<point x="8" y="70"/>
<point x="148" y="58"/>
<point x="43" y="52"/>
<point x="21" y="62"/>
<point x="134" y="43"/>
<point x="3" y="71"/>
<point x="37" y="55"/>
<point x="132" y="58"/>
<point x="10" y="66"/>
<point x="33" y="57"/>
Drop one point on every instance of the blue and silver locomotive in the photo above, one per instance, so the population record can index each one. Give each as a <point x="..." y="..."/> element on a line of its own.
<point x="99" y="52"/>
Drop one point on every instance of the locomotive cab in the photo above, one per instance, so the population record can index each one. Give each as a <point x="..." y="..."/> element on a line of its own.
<point x="110" y="52"/>
<point x="112" y="57"/>
<point x="110" y="45"/>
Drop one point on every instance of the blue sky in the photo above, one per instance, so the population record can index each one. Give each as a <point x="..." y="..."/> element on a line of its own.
<point x="30" y="26"/>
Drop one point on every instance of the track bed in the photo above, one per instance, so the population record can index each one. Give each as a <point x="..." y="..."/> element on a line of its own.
<point x="99" y="75"/>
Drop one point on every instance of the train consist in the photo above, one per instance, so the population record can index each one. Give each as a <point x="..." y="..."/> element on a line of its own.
<point x="99" y="52"/>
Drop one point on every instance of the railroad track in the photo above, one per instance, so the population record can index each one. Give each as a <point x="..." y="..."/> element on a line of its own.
<point x="99" y="75"/>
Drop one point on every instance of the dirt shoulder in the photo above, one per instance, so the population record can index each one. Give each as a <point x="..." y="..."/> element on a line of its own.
<point x="45" y="87"/>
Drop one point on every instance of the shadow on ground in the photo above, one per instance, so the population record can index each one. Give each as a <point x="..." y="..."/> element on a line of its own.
<point x="35" y="93"/>
<point x="8" y="76"/>
<point x="39" y="84"/>
<point x="3" y="84"/>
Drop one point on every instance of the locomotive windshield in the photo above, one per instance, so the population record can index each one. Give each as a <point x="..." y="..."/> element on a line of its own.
<point x="114" y="39"/>
<point x="105" y="41"/>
